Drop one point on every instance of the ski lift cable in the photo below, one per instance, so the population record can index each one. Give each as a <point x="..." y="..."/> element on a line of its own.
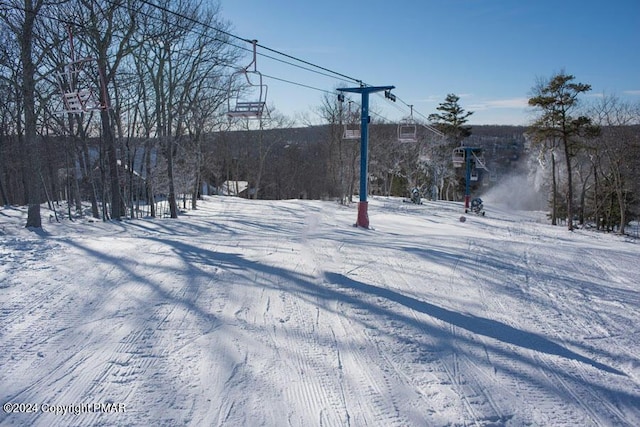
<point x="402" y="109"/>
<point x="70" y="23"/>
<point x="399" y="108"/>
<point x="413" y="110"/>
<point x="75" y="24"/>
<point x="300" y="66"/>
<point x="392" y="102"/>
<point x="324" y="71"/>
<point x="167" y="10"/>
<point x="313" y="65"/>
<point x="373" y="113"/>
<point x="427" y="126"/>
<point x="298" y="84"/>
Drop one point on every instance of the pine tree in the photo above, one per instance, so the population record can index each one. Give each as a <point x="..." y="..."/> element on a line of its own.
<point x="451" y="121"/>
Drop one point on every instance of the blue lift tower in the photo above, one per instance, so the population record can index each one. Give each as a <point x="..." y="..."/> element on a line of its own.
<point x="364" y="91"/>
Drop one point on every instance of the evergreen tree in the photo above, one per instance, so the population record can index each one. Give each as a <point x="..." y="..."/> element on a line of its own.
<point x="451" y="121"/>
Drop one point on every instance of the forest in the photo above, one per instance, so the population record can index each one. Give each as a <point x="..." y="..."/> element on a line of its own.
<point x="126" y="115"/>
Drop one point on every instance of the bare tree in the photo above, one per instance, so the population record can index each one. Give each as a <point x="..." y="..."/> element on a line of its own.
<point x="106" y="32"/>
<point x="617" y="150"/>
<point x="329" y="110"/>
<point x="264" y="145"/>
<point x="546" y="153"/>
<point x="21" y="21"/>
<point x="342" y="153"/>
<point x="183" y="58"/>
<point x="203" y="120"/>
<point x="10" y="116"/>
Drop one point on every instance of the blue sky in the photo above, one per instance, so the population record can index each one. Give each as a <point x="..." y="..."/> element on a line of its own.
<point x="488" y="52"/>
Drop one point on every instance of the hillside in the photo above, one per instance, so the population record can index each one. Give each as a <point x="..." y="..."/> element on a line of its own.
<point x="273" y="313"/>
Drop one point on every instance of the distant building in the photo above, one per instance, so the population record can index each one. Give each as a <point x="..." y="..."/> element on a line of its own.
<point x="234" y="188"/>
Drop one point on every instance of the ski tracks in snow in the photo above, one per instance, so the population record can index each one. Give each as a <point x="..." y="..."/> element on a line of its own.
<point x="568" y="379"/>
<point x="129" y="359"/>
<point x="284" y="314"/>
<point x="359" y="388"/>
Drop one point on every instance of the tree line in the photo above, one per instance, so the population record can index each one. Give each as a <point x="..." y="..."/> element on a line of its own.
<point x="591" y="152"/>
<point x="161" y="75"/>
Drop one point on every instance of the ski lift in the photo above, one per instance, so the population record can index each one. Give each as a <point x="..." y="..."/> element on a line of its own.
<point x="458" y="157"/>
<point x="351" y="131"/>
<point x="474" y="174"/>
<point x="77" y="85"/>
<point x="249" y="102"/>
<point x="352" y="125"/>
<point x="407" y="129"/>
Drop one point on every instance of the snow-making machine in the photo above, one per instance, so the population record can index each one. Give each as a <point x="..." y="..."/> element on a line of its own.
<point x="416" y="198"/>
<point x="476" y="206"/>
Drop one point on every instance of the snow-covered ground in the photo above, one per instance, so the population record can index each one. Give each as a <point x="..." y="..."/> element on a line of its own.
<point x="276" y="313"/>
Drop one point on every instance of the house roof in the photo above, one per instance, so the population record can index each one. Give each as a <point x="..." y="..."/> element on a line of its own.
<point x="234" y="188"/>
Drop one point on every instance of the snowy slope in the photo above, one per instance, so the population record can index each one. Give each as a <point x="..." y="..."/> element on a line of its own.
<point x="275" y="313"/>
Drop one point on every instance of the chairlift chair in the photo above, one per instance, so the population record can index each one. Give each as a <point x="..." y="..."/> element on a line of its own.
<point x="352" y="125"/>
<point x="407" y="132"/>
<point x="81" y="83"/>
<point x="474" y="174"/>
<point x="351" y="131"/>
<point x="250" y="101"/>
<point x="407" y="129"/>
<point x="77" y="87"/>
<point x="458" y="157"/>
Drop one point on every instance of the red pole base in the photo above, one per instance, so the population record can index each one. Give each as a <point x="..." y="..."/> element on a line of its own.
<point x="466" y="201"/>
<point x="363" y="217"/>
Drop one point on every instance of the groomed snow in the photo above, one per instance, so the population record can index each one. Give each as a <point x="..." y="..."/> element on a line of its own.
<point x="276" y="313"/>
